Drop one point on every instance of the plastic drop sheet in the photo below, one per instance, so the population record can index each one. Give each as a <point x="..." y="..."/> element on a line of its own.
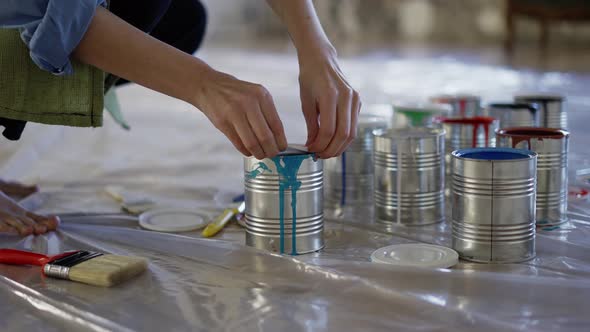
<point x="176" y="158"/>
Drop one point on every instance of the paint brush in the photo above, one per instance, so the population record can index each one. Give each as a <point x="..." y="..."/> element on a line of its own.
<point x="87" y="267"/>
<point x="217" y="225"/>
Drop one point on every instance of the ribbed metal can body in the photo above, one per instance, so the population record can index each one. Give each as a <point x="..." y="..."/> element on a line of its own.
<point x="463" y="106"/>
<point x="514" y="114"/>
<point x="349" y="177"/>
<point x="551" y="109"/>
<point x="290" y="185"/>
<point x="409" y="176"/>
<point x="551" y="146"/>
<point x="493" y="213"/>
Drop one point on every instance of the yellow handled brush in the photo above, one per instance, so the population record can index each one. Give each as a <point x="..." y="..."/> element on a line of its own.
<point x="217" y="225"/>
<point x="88" y="267"/>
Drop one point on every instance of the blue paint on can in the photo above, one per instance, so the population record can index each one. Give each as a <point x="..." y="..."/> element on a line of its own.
<point x="288" y="167"/>
<point x="343" y="194"/>
<point x="494" y="153"/>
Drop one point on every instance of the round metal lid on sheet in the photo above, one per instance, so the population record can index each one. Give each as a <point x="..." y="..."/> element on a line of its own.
<point x="416" y="254"/>
<point x="173" y="220"/>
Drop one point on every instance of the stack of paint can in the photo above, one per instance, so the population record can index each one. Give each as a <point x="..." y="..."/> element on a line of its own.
<point x="409" y="176"/>
<point x="493" y="213"/>
<point x="551" y="145"/>
<point x="349" y="177"/>
<point x="284" y="202"/>
<point x="551" y="109"/>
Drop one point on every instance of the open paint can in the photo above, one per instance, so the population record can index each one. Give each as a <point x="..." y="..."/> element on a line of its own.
<point x="349" y="177"/>
<point x="462" y="105"/>
<point x="551" y="108"/>
<point x="466" y="133"/>
<point x="514" y="114"/>
<point x="418" y="115"/>
<point x="284" y="202"/>
<point x="493" y="214"/>
<point x="409" y="176"/>
<point x="551" y="145"/>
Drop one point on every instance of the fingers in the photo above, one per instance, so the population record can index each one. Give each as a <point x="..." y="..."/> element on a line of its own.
<point x="248" y="138"/>
<point x="271" y="116"/>
<point x="310" y="113"/>
<point x="340" y="140"/>
<point x="17" y="224"/>
<point x="354" y="115"/>
<point x="263" y="134"/>
<point x="51" y="223"/>
<point x="38" y="228"/>
<point x="327" y="109"/>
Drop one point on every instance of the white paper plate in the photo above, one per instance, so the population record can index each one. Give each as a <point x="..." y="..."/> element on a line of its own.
<point x="416" y="254"/>
<point x="173" y="220"/>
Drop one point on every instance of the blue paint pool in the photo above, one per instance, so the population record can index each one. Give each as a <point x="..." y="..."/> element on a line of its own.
<point x="494" y="153"/>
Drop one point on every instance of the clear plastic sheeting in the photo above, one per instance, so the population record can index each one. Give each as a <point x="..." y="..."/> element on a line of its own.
<point x="176" y="158"/>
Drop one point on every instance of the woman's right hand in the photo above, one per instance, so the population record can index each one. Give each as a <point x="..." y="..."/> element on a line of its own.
<point x="243" y="111"/>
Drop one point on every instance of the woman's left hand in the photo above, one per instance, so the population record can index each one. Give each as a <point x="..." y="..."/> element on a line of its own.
<point x="330" y="105"/>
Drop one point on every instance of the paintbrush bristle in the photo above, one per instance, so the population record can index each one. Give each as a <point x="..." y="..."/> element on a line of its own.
<point x="107" y="270"/>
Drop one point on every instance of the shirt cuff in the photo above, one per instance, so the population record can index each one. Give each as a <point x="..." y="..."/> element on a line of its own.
<point x="59" y="32"/>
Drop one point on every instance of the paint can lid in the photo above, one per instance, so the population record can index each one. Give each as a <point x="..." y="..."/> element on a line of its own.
<point x="416" y="254"/>
<point x="173" y="220"/>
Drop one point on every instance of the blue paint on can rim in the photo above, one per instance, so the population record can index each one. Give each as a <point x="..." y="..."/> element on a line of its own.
<point x="494" y="153"/>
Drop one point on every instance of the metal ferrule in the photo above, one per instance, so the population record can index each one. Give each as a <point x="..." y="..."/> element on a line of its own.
<point x="409" y="173"/>
<point x="56" y="271"/>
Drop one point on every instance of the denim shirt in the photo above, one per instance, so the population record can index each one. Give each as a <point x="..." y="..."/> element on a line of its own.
<point x="51" y="29"/>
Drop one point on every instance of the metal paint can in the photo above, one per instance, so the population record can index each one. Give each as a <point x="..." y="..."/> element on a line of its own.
<point x="284" y="202"/>
<point x="418" y="115"/>
<point x="551" y="109"/>
<point x="462" y="105"/>
<point x="551" y="145"/>
<point x="349" y="177"/>
<point x="493" y="214"/>
<point x="467" y="133"/>
<point x="409" y="176"/>
<point x="514" y="114"/>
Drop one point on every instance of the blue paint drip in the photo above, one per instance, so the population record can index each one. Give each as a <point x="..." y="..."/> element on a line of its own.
<point x="257" y="171"/>
<point x="343" y="194"/>
<point x="287" y="167"/>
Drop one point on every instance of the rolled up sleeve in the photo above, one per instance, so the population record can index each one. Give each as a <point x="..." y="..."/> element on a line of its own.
<point x="52" y="29"/>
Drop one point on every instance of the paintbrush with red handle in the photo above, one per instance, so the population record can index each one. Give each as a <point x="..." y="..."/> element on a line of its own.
<point x="82" y="266"/>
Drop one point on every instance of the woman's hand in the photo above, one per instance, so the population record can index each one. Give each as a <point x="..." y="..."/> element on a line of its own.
<point x="330" y="105"/>
<point x="244" y="112"/>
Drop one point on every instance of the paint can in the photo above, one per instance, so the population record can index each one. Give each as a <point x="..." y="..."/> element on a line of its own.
<point x="284" y="202"/>
<point x="409" y="176"/>
<point x="462" y="105"/>
<point x="493" y="214"/>
<point x="514" y="114"/>
<point x="418" y="115"/>
<point x="551" y="109"/>
<point x="349" y="177"/>
<point x="551" y="146"/>
<point x="466" y="133"/>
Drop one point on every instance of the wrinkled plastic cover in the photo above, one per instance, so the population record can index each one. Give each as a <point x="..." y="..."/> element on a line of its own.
<point x="175" y="157"/>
